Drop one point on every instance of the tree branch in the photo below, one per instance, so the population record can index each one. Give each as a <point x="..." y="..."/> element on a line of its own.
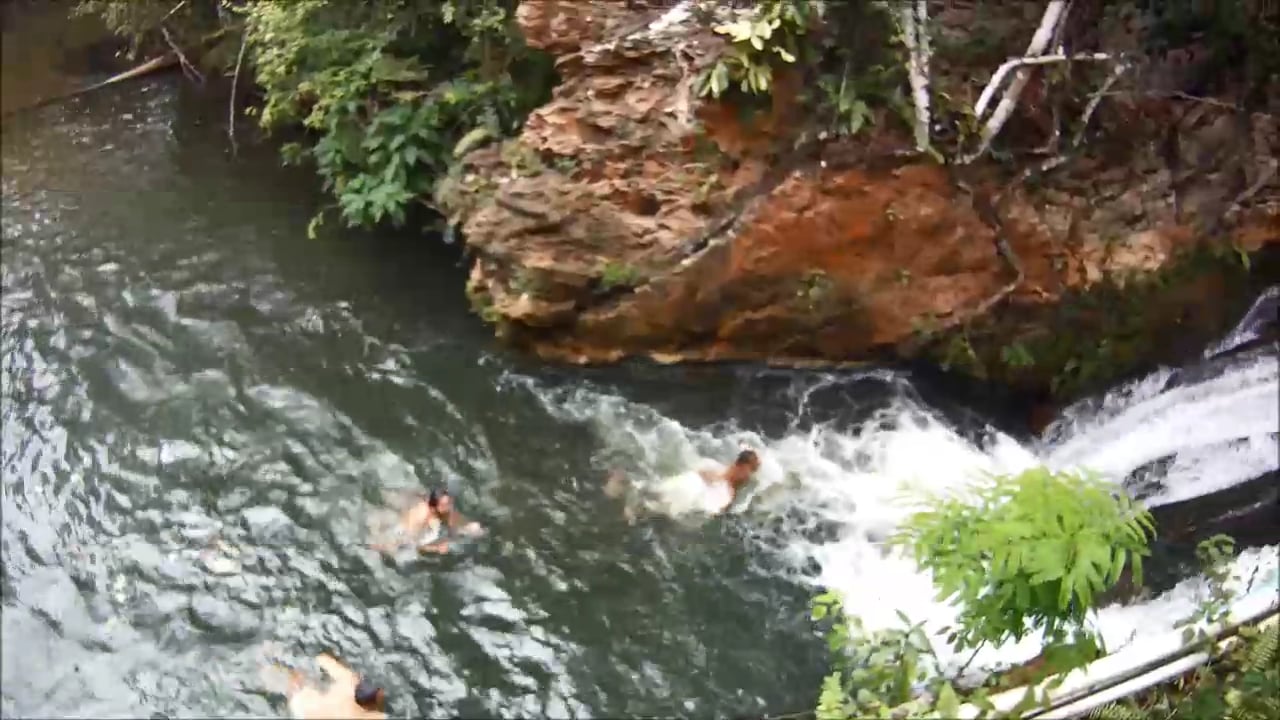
<point x="231" y="104"/>
<point x="1054" y="16"/>
<point x="1007" y="105"/>
<point x="1121" y="67"/>
<point x="1094" y="100"/>
<point x="187" y="67"/>
<point x="1048" y="28"/>
<point x="914" y="18"/>
<point x="175" y="9"/>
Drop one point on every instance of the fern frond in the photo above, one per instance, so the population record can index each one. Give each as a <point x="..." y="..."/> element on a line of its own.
<point x="1117" y="711"/>
<point x="1262" y="652"/>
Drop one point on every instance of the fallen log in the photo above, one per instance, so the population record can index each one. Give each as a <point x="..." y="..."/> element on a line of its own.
<point x="156" y="64"/>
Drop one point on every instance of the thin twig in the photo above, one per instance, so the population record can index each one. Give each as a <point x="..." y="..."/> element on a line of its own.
<point x="1119" y="70"/>
<point x="968" y="662"/>
<point x="1180" y="96"/>
<point x="175" y="9"/>
<point x="186" y="64"/>
<point x="231" y="104"/>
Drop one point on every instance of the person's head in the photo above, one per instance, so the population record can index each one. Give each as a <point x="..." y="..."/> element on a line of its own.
<point x="369" y="696"/>
<point x="439" y="501"/>
<point x="744" y="466"/>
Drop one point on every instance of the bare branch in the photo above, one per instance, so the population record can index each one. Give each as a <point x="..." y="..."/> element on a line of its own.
<point x="1007" y="105"/>
<point x="1040" y="60"/>
<point x="231" y="104"/>
<point x="915" y="30"/>
<point x="1119" y="70"/>
<point x="187" y="67"/>
<point x="175" y="9"/>
<point x="1053" y="15"/>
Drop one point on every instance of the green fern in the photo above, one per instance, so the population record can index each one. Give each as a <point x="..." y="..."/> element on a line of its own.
<point x="831" y="702"/>
<point x="1262" y="652"/>
<point x="1117" y="711"/>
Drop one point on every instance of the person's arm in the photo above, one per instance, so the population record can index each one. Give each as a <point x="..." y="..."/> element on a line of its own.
<point x="336" y="670"/>
<point x="710" y="476"/>
<point x="459" y="522"/>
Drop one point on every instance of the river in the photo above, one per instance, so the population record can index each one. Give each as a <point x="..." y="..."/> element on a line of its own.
<point x="202" y="410"/>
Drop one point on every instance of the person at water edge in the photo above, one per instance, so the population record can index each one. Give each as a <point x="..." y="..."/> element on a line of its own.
<point x="348" y="695"/>
<point x="429" y="522"/>
<point x="737" y="475"/>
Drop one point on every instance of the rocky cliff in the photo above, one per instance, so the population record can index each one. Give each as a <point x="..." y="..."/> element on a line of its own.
<point x="632" y="218"/>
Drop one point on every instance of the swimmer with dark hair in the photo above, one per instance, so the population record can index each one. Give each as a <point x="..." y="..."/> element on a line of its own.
<point x="428" y="524"/>
<point x="348" y="695"/>
<point x="735" y="476"/>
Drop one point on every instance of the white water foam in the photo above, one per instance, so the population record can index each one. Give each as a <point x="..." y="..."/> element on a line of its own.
<point x="1216" y="433"/>
<point x="836" y="493"/>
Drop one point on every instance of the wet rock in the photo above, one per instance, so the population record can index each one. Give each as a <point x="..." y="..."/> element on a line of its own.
<point x="216" y="615"/>
<point x="632" y="218"/>
<point x="267" y="524"/>
<point x="155" y="608"/>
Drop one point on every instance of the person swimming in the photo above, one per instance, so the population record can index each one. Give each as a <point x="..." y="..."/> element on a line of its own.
<point x="728" y="480"/>
<point x="348" y="695"/>
<point x="744" y="467"/>
<point x="428" y="523"/>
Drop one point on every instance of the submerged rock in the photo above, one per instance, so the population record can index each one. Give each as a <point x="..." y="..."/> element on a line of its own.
<point x="631" y="218"/>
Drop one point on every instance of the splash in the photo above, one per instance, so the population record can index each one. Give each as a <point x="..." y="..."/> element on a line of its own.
<point x="829" y="493"/>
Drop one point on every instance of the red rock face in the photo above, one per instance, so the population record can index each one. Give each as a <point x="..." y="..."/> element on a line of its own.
<point x="631" y="218"/>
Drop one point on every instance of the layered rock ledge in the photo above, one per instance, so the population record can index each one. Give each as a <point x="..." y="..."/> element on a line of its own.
<point x="632" y="218"/>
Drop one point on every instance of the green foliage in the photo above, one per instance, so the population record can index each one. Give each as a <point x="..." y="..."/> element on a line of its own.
<point x="1242" y="38"/>
<point x="847" y="55"/>
<point x="617" y="275"/>
<point x="759" y="39"/>
<point x="1031" y="551"/>
<point x="814" y="289"/>
<point x="389" y="93"/>
<point x="857" y="67"/>
<point x="139" y="21"/>
<point x="894" y="673"/>
<point x="1016" y="355"/>
<point x="1214" y="555"/>
<point x="873" y="672"/>
<point x="389" y="90"/>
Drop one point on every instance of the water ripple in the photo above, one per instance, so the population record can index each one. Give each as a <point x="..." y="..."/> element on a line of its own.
<point x="204" y="412"/>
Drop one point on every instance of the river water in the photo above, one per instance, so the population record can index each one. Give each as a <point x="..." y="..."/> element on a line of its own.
<point x="202" y="410"/>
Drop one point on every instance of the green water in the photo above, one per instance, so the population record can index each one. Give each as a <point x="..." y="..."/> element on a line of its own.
<point x="181" y="364"/>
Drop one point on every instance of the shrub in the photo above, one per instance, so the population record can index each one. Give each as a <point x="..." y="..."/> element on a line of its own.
<point x="1021" y="553"/>
<point x="385" y="90"/>
<point x="1032" y="551"/>
<point x="389" y="88"/>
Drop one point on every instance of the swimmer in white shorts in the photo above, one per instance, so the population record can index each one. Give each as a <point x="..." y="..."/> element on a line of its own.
<point x="428" y="524"/>
<point x="735" y="476"/>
